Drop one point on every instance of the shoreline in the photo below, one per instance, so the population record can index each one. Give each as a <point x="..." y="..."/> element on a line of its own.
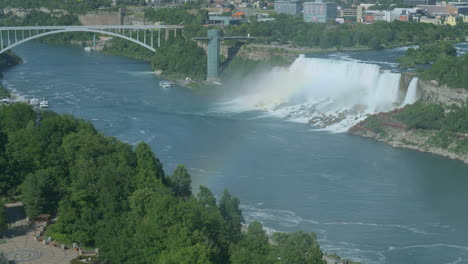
<point x="399" y="144"/>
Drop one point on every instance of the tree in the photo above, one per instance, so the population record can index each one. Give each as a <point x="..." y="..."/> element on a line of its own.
<point x="232" y="214"/>
<point x="6" y="182"/>
<point x="297" y="248"/>
<point x="180" y="182"/>
<point x="253" y="248"/>
<point x="34" y="190"/>
<point x="149" y="168"/>
<point x="16" y="116"/>
<point x="206" y="197"/>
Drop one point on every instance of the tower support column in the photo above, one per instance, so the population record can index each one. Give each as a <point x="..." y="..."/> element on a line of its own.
<point x="213" y="55"/>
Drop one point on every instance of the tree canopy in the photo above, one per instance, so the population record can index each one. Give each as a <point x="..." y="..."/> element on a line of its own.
<point x="116" y="197"/>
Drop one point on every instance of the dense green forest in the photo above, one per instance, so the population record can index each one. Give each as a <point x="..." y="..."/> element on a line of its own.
<point x="438" y="61"/>
<point x="426" y="53"/>
<point x="70" y="5"/>
<point x="449" y="70"/>
<point x="118" y="198"/>
<point x="182" y="57"/>
<point x="293" y="30"/>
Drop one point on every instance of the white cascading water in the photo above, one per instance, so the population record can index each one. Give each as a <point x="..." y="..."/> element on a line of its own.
<point x="412" y="95"/>
<point x="327" y="93"/>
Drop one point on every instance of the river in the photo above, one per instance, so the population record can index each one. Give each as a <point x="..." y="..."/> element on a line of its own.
<point x="365" y="200"/>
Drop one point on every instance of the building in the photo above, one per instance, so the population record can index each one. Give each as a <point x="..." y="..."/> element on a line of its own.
<point x="434" y="9"/>
<point x="359" y="14"/>
<point x="288" y="7"/>
<point x="430" y="20"/>
<point x="420" y="2"/>
<point x="348" y="12"/>
<point x="320" y="12"/>
<point x="451" y="20"/>
<point x="457" y="8"/>
<point x="224" y="20"/>
<point x="404" y="18"/>
<point x="368" y="18"/>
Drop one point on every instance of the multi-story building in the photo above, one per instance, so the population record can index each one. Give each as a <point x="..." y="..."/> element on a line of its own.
<point x="348" y="12"/>
<point x="420" y="2"/>
<point x="457" y="8"/>
<point x="434" y="9"/>
<point x="288" y="7"/>
<point x="359" y="14"/>
<point x="320" y="12"/>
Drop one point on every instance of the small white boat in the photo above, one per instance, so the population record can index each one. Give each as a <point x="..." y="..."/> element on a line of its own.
<point x="88" y="49"/>
<point x="34" y="102"/>
<point x="44" y="104"/>
<point x="165" y="84"/>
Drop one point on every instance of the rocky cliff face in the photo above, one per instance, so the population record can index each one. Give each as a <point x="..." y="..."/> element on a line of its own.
<point x="432" y="92"/>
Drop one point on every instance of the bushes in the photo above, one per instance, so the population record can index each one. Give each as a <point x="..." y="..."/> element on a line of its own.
<point x="427" y="53"/>
<point x="422" y="116"/>
<point x="446" y="67"/>
<point x="180" y="56"/>
<point x="449" y="70"/>
<point x="434" y="117"/>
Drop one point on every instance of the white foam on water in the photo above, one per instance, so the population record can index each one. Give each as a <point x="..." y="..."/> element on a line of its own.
<point x="327" y="93"/>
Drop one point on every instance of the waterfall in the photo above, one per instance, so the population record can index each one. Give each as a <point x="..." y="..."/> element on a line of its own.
<point x="327" y="93"/>
<point x="411" y="94"/>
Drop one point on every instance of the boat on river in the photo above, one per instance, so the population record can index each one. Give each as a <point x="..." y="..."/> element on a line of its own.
<point x="165" y="84"/>
<point x="34" y="102"/>
<point x="43" y="104"/>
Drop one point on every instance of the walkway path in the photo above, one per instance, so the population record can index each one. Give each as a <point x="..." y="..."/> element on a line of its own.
<point x="20" y="246"/>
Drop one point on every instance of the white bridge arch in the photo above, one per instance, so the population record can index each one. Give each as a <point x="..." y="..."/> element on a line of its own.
<point x="17" y="35"/>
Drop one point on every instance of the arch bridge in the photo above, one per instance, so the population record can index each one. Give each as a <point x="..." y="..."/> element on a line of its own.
<point x="144" y="36"/>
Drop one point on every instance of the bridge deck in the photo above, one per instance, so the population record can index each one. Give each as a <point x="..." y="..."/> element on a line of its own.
<point x="224" y="38"/>
<point x="93" y="27"/>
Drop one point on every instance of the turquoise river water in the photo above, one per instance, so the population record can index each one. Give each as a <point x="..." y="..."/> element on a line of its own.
<point x="365" y="200"/>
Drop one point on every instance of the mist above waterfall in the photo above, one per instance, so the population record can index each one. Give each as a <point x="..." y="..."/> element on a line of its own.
<point x="327" y="93"/>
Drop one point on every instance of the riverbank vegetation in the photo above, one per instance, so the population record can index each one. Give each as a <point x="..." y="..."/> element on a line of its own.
<point x="69" y="5"/>
<point x="437" y="128"/>
<point x="426" y="54"/>
<point x="180" y="56"/>
<point x="422" y="115"/>
<point x="449" y="70"/>
<point x="292" y="30"/>
<point x="7" y="59"/>
<point x="118" y="198"/>
<point x="438" y="61"/>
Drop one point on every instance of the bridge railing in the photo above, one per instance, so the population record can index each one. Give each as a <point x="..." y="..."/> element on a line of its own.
<point x="143" y="35"/>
